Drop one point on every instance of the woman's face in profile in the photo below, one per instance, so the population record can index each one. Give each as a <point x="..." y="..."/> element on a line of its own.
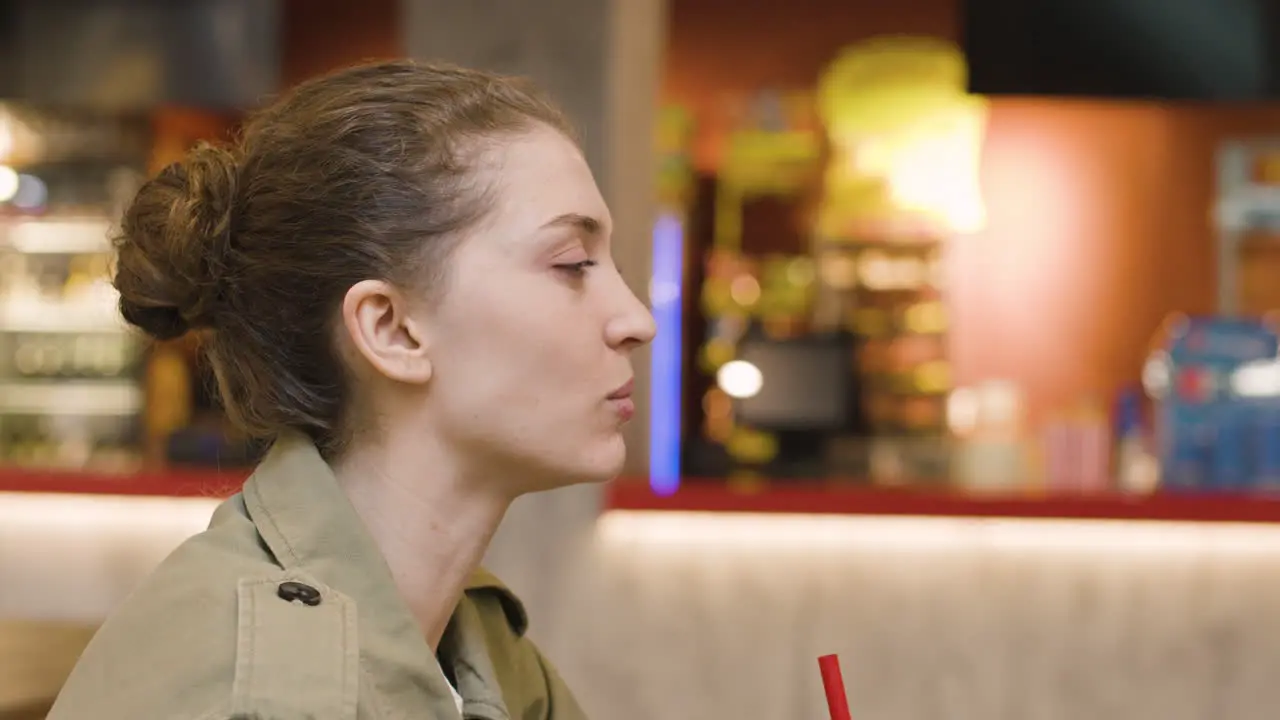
<point x="531" y="340"/>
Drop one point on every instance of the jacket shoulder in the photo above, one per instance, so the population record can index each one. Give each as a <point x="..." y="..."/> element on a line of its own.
<point x="175" y="647"/>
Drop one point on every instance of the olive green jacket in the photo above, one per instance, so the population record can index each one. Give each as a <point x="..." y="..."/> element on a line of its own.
<point x="284" y="609"/>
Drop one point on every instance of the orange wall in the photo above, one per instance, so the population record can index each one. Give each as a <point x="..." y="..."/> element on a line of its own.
<point x="1100" y="225"/>
<point x="323" y="35"/>
<point x="1098" y="211"/>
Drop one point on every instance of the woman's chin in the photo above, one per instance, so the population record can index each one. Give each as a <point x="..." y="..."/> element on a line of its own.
<point x="601" y="465"/>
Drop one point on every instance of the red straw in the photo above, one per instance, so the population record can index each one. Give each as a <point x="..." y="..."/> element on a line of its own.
<point x="833" y="683"/>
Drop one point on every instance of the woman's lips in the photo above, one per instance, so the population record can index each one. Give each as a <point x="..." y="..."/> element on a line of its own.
<point x="624" y="391"/>
<point x="622" y="402"/>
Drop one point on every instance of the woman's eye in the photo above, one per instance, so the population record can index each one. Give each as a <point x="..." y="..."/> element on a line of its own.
<point x="578" y="268"/>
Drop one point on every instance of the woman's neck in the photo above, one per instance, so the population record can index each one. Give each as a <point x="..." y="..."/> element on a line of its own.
<point x="432" y="525"/>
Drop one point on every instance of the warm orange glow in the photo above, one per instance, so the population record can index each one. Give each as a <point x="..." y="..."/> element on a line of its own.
<point x="905" y="137"/>
<point x="937" y="172"/>
<point x="1064" y="287"/>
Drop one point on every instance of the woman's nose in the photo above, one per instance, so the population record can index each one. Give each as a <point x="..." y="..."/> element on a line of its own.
<point x="633" y="325"/>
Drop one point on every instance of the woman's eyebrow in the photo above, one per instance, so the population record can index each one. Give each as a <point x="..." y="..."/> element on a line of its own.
<point x="585" y="223"/>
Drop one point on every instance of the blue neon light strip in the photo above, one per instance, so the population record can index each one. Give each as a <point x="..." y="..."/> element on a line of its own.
<point x="664" y="400"/>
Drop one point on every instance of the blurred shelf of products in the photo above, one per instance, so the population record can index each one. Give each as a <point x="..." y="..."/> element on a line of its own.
<point x="801" y="288"/>
<point x="78" y="389"/>
<point x="817" y="329"/>
<point x="826" y="345"/>
<point x="70" y="395"/>
<point x="1214" y="382"/>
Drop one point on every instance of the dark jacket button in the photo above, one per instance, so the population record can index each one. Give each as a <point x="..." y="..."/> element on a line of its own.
<point x="301" y="592"/>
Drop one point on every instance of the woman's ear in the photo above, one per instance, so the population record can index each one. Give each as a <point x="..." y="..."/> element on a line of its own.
<point x="377" y="319"/>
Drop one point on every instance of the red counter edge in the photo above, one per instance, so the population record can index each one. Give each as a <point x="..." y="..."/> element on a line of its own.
<point x="165" y="483"/>
<point x="812" y="498"/>
<point x="707" y="496"/>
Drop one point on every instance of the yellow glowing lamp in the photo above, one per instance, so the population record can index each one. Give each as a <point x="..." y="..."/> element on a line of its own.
<point x="905" y="136"/>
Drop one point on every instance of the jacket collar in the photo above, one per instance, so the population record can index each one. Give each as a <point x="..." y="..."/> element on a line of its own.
<point x="309" y="525"/>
